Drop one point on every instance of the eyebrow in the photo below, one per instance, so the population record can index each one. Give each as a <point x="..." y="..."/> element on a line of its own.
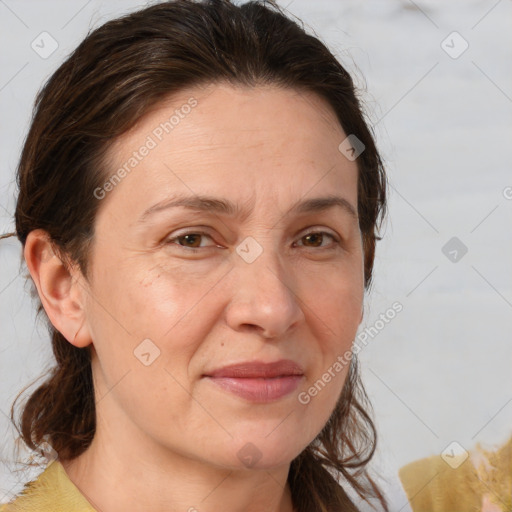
<point x="225" y="207"/>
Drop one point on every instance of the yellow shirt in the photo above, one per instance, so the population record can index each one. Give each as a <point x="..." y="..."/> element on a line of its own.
<point x="482" y="483"/>
<point x="52" y="491"/>
<point x="433" y="486"/>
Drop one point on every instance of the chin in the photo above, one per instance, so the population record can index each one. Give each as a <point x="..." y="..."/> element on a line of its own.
<point x="261" y="454"/>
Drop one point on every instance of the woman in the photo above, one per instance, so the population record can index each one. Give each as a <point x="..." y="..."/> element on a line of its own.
<point x="199" y="202"/>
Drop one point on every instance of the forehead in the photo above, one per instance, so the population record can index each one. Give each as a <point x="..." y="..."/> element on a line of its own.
<point x="263" y="142"/>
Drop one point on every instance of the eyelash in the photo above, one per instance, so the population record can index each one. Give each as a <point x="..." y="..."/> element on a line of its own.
<point x="171" y="241"/>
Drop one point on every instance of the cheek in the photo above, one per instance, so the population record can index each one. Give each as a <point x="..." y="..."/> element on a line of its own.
<point x="158" y="302"/>
<point x="335" y="309"/>
<point x="336" y="296"/>
<point x="145" y="331"/>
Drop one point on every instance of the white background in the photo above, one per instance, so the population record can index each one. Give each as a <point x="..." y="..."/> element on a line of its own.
<point x="441" y="369"/>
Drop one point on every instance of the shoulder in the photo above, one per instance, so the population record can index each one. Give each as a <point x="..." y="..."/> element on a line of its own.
<point x="52" y="490"/>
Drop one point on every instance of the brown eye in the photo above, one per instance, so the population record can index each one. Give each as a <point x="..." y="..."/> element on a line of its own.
<point x="190" y="240"/>
<point x="315" y="239"/>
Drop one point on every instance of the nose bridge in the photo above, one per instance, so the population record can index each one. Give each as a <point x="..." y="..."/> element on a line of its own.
<point x="263" y="293"/>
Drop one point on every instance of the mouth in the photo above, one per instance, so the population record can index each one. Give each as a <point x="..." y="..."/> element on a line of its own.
<point x="256" y="381"/>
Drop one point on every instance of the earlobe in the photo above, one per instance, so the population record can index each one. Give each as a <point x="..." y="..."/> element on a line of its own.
<point x="59" y="288"/>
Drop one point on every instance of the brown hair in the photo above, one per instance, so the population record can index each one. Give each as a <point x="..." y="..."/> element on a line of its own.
<point x="105" y="86"/>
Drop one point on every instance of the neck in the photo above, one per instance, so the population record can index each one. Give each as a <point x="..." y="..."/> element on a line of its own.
<point x="113" y="478"/>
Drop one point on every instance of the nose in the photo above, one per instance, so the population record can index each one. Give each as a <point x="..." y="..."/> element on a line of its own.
<point x="263" y="297"/>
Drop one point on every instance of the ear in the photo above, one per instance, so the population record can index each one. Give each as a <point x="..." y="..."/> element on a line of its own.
<point x="60" y="288"/>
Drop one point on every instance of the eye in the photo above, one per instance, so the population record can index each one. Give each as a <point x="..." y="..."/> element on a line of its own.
<point x="317" y="237"/>
<point x="191" y="240"/>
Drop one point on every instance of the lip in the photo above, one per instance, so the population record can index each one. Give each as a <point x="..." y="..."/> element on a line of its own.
<point x="257" y="381"/>
<point x="258" y="369"/>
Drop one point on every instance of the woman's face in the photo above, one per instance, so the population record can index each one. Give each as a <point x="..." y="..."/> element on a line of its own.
<point x="177" y="293"/>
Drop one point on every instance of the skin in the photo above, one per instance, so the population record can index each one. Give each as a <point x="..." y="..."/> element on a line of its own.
<point x="167" y="438"/>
